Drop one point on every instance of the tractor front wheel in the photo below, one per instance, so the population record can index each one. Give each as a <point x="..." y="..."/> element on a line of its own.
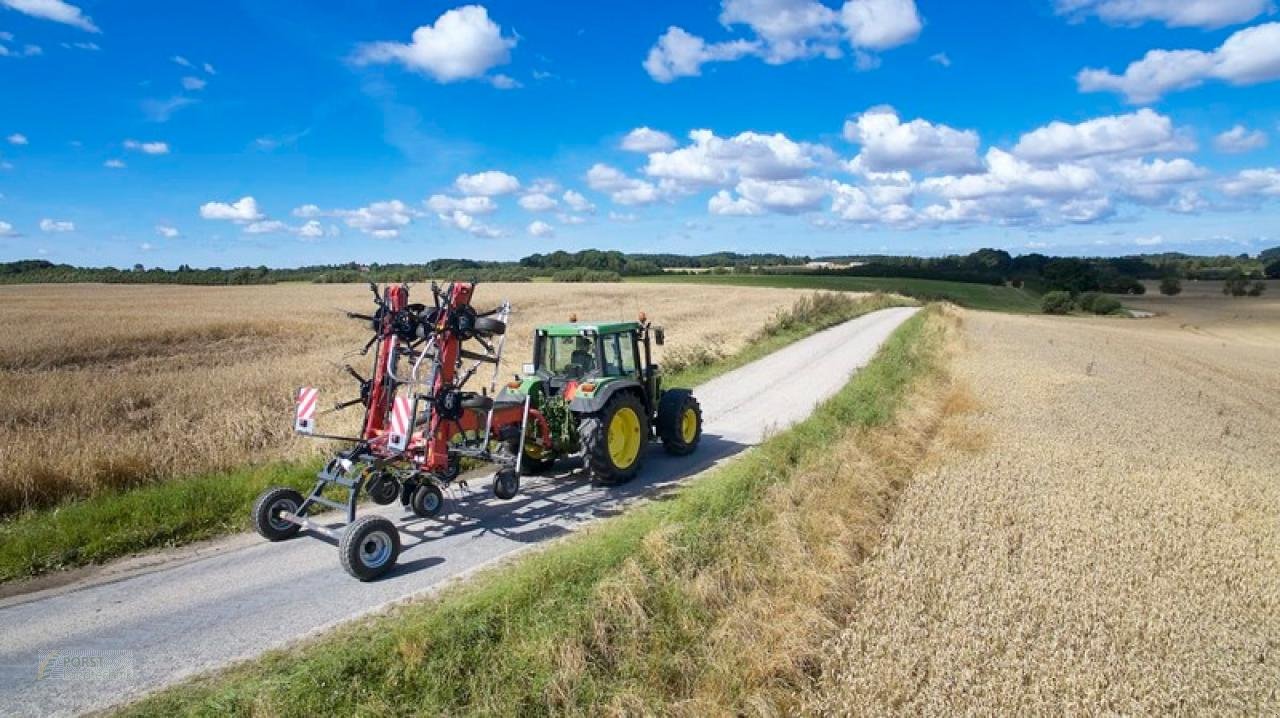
<point x="613" y="439"/>
<point x="679" y="422"/>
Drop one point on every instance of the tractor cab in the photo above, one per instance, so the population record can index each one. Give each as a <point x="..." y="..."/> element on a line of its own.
<point x="574" y="353"/>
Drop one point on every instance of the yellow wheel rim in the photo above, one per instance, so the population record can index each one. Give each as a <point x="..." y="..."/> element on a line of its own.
<point x="624" y="437"/>
<point x="689" y="425"/>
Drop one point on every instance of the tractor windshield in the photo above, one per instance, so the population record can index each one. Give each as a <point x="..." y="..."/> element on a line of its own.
<point x="568" y="356"/>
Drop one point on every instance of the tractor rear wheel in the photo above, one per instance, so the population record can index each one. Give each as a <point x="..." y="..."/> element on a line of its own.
<point x="679" y="422"/>
<point x="613" y="439"/>
<point x="267" y="509"/>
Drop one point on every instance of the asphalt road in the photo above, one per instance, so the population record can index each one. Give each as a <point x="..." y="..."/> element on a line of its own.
<point x="137" y="630"/>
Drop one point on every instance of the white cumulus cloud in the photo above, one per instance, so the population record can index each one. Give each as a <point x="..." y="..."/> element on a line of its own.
<point x="55" y="10"/>
<point x="492" y="183"/>
<point x="167" y="231"/>
<point x="646" y="140"/>
<point x="1264" y="182"/>
<point x="57" y="225"/>
<point x="786" y="30"/>
<point x="889" y="144"/>
<point x="444" y="204"/>
<point x="244" y="209"/>
<point x="537" y="202"/>
<point x="1141" y="132"/>
<point x="1248" y="57"/>
<point x="1240" y="139"/>
<point x="1208" y="14"/>
<point x="622" y="189"/>
<point x="538" y="228"/>
<point x="577" y="202"/>
<point x="148" y="148"/>
<point x="463" y="44"/>
<point x="17" y="138"/>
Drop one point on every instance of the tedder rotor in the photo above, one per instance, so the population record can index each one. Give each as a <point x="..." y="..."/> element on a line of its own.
<point x="419" y="424"/>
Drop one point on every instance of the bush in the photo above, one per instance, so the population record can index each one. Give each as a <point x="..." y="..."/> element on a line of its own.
<point x="1257" y="288"/>
<point x="1272" y="271"/>
<point x="1057" y="303"/>
<point x="1105" y="305"/>
<point x="585" y="275"/>
<point x="1170" y="286"/>
<point x="1087" y="300"/>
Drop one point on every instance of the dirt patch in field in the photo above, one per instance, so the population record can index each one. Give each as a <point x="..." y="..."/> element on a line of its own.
<point x="1110" y="545"/>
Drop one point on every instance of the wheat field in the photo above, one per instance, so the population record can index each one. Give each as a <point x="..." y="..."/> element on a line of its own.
<point x="109" y="386"/>
<point x="1101" y="536"/>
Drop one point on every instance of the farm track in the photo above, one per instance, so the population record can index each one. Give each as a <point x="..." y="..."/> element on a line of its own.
<point x="251" y="596"/>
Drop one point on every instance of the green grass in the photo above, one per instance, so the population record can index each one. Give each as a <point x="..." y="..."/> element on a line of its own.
<point x="108" y="526"/>
<point x="973" y="296"/>
<point x="104" y="527"/>
<point x="492" y="646"/>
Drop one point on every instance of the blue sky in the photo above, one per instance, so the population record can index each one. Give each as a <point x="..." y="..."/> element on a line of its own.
<point x="282" y="133"/>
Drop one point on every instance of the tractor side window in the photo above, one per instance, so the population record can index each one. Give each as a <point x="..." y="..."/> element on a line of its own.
<point x="619" y="355"/>
<point x="566" y="356"/>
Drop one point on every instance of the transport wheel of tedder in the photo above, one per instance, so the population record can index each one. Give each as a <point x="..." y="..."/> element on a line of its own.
<point x="370" y="547"/>
<point x="679" y="422"/>
<point x="267" y="510"/>
<point x="427" y="500"/>
<point x="506" y="484"/>
<point x="613" y="439"/>
<point x="382" y="489"/>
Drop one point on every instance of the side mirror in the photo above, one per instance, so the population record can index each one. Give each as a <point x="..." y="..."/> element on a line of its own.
<point x="659" y="336"/>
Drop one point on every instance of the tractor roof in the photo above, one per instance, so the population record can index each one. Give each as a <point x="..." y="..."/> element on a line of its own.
<point x="573" y="329"/>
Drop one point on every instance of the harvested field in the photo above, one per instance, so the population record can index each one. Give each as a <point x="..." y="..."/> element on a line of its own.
<point x="107" y="386"/>
<point x="1102" y="536"/>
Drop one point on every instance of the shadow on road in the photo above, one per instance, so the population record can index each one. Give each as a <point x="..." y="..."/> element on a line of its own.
<point x="551" y="505"/>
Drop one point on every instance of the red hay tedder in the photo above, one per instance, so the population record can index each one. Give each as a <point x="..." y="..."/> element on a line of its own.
<point x="419" y="424"/>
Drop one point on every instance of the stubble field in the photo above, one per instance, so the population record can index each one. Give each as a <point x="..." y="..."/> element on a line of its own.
<point x="1102" y="535"/>
<point x="108" y="386"/>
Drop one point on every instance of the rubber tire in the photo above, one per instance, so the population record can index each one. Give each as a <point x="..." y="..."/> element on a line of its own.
<point x="454" y="469"/>
<point x="594" y="431"/>
<point x="357" y="533"/>
<point x="506" y="484"/>
<point x="388" y="489"/>
<point x="425" y="497"/>
<point x="489" y="327"/>
<point x="671" y="408"/>
<point x="264" y="508"/>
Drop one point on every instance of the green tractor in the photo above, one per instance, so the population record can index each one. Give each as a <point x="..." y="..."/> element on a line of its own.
<point x="602" y="396"/>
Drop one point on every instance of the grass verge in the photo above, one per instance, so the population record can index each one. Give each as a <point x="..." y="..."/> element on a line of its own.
<point x="681" y="605"/>
<point x="809" y="315"/>
<point x="110" y="525"/>
<point x="973" y="296"/>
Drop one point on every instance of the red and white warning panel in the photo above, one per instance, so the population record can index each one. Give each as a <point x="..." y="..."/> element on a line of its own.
<point x="304" y="421"/>
<point x="401" y="413"/>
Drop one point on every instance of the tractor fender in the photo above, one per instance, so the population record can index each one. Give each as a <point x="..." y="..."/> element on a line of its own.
<point x="591" y="404"/>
